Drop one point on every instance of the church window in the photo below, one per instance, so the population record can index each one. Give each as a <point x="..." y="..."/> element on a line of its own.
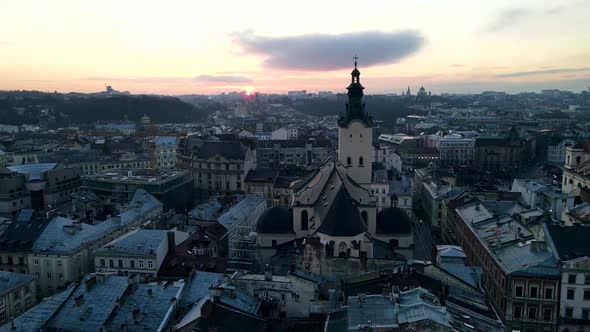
<point x="348" y="161"/>
<point x="361" y="161"/>
<point x="342" y="249"/>
<point x="364" y="216"/>
<point x="304" y="221"/>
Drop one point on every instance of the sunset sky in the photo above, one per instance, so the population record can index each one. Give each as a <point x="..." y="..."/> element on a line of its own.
<point x="202" y="47"/>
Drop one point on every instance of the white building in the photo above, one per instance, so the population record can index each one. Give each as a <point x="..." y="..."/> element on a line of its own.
<point x="140" y="251"/>
<point x="166" y="151"/>
<point x="454" y="149"/>
<point x="556" y="150"/>
<point x="281" y="134"/>
<point x="573" y="252"/>
<point x="535" y="194"/>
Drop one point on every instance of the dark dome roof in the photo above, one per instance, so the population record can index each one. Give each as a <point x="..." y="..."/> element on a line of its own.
<point x="276" y="220"/>
<point x="393" y="220"/>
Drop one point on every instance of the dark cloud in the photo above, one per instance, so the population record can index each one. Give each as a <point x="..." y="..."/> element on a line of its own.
<point x="543" y="72"/>
<point x="505" y="19"/>
<point x="223" y="79"/>
<point x="318" y="52"/>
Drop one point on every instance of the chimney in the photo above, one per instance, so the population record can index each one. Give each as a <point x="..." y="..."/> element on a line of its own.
<point x="171" y="241"/>
<point x="90" y="282"/>
<point x="135" y="313"/>
<point x="268" y="273"/>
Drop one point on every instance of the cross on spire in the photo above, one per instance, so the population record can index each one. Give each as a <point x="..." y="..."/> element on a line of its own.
<point x="355" y="57"/>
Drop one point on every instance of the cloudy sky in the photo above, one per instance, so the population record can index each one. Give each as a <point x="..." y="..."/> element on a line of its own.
<point x="199" y="46"/>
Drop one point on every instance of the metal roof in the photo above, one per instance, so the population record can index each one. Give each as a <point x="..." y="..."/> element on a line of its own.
<point x="33" y="171"/>
<point x="143" y="242"/>
<point x="10" y="281"/>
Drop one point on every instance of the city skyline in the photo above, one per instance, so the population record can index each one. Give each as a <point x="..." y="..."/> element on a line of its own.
<point x="182" y="48"/>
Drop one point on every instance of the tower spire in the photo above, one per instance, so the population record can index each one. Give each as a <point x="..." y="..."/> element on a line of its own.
<point x="355" y="108"/>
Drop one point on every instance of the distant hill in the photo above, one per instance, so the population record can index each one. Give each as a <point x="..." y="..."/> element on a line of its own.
<point x="59" y="109"/>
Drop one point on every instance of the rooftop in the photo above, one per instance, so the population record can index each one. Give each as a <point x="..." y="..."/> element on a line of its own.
<point x="64" y="236"/>
<point x="39" y="315"/>
<point x="142" y="242"/>
<point x="137" y="175"/>
<point x="10" y="281"/>
<point x="240" y="212"/>
<point x="33" y="171"/>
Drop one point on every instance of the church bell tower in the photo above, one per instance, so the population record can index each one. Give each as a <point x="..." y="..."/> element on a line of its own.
<point x="355" y="133"/>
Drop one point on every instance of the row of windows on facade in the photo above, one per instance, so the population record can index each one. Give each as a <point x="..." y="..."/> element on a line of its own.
<point x="572" y="278"/>
<point x="533" y="292"/>
<point x="140" y="263"/>
<point x="16" y="295"/>
<point x="218" y="185"/>
<point x="571" y="294"/>
<point x="214" y="166"/>
<point x="532" y="313"/>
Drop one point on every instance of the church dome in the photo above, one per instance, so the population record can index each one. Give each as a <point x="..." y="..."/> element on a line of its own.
<point x="393" y="220"/>
<point x="276" y="220"/>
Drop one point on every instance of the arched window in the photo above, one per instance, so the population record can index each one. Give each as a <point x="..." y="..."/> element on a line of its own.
<point x="348" y="161"/>
<point x="364" y="216"/>
<point x="568" y="159"/>
<point x="578" y="159"/>
<point x="304" y="220"/>
<point x="361" y="161"/>
<point x="342" y="249"/>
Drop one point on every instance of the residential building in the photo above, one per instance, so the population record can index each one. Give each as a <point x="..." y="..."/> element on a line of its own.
<point x="454" y="149"/>
<point x="380" y="189"/>
<point x="271" y="185"/>
<point x="17" y="294"/>
<point x="556" y="149"/>
<point x="506" y="152"/>
<point x="535" y="194"/>
<point x="17" y="240"/>
<point x="64" y="250"/>
<point x="14" y="194"/>
<point x="173" y="187"/>
<point x="105" y="302"/>
<point x="574" y="255"/>
<point x="520" y="271"/>
<point x="292" y="153"/>
<point x="49" y="186"/>
<point x="216" y="167"/>
<point x="166" y="151"/>
<point x="140" y="252"/>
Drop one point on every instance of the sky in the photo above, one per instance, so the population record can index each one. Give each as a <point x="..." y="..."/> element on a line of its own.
<point x="208" y="47"/>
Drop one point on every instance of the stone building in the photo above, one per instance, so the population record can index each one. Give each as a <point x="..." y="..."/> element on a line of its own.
<point x="216" y="166"/>
<point x="17" y="294"/>
<point x="333" y="206"/>
<point x="506" y="152"/>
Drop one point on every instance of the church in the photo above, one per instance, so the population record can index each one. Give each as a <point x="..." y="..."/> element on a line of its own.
<point x="333" y="206"/>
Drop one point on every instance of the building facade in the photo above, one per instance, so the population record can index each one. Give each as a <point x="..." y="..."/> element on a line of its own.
<point x="216" y="167"/>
